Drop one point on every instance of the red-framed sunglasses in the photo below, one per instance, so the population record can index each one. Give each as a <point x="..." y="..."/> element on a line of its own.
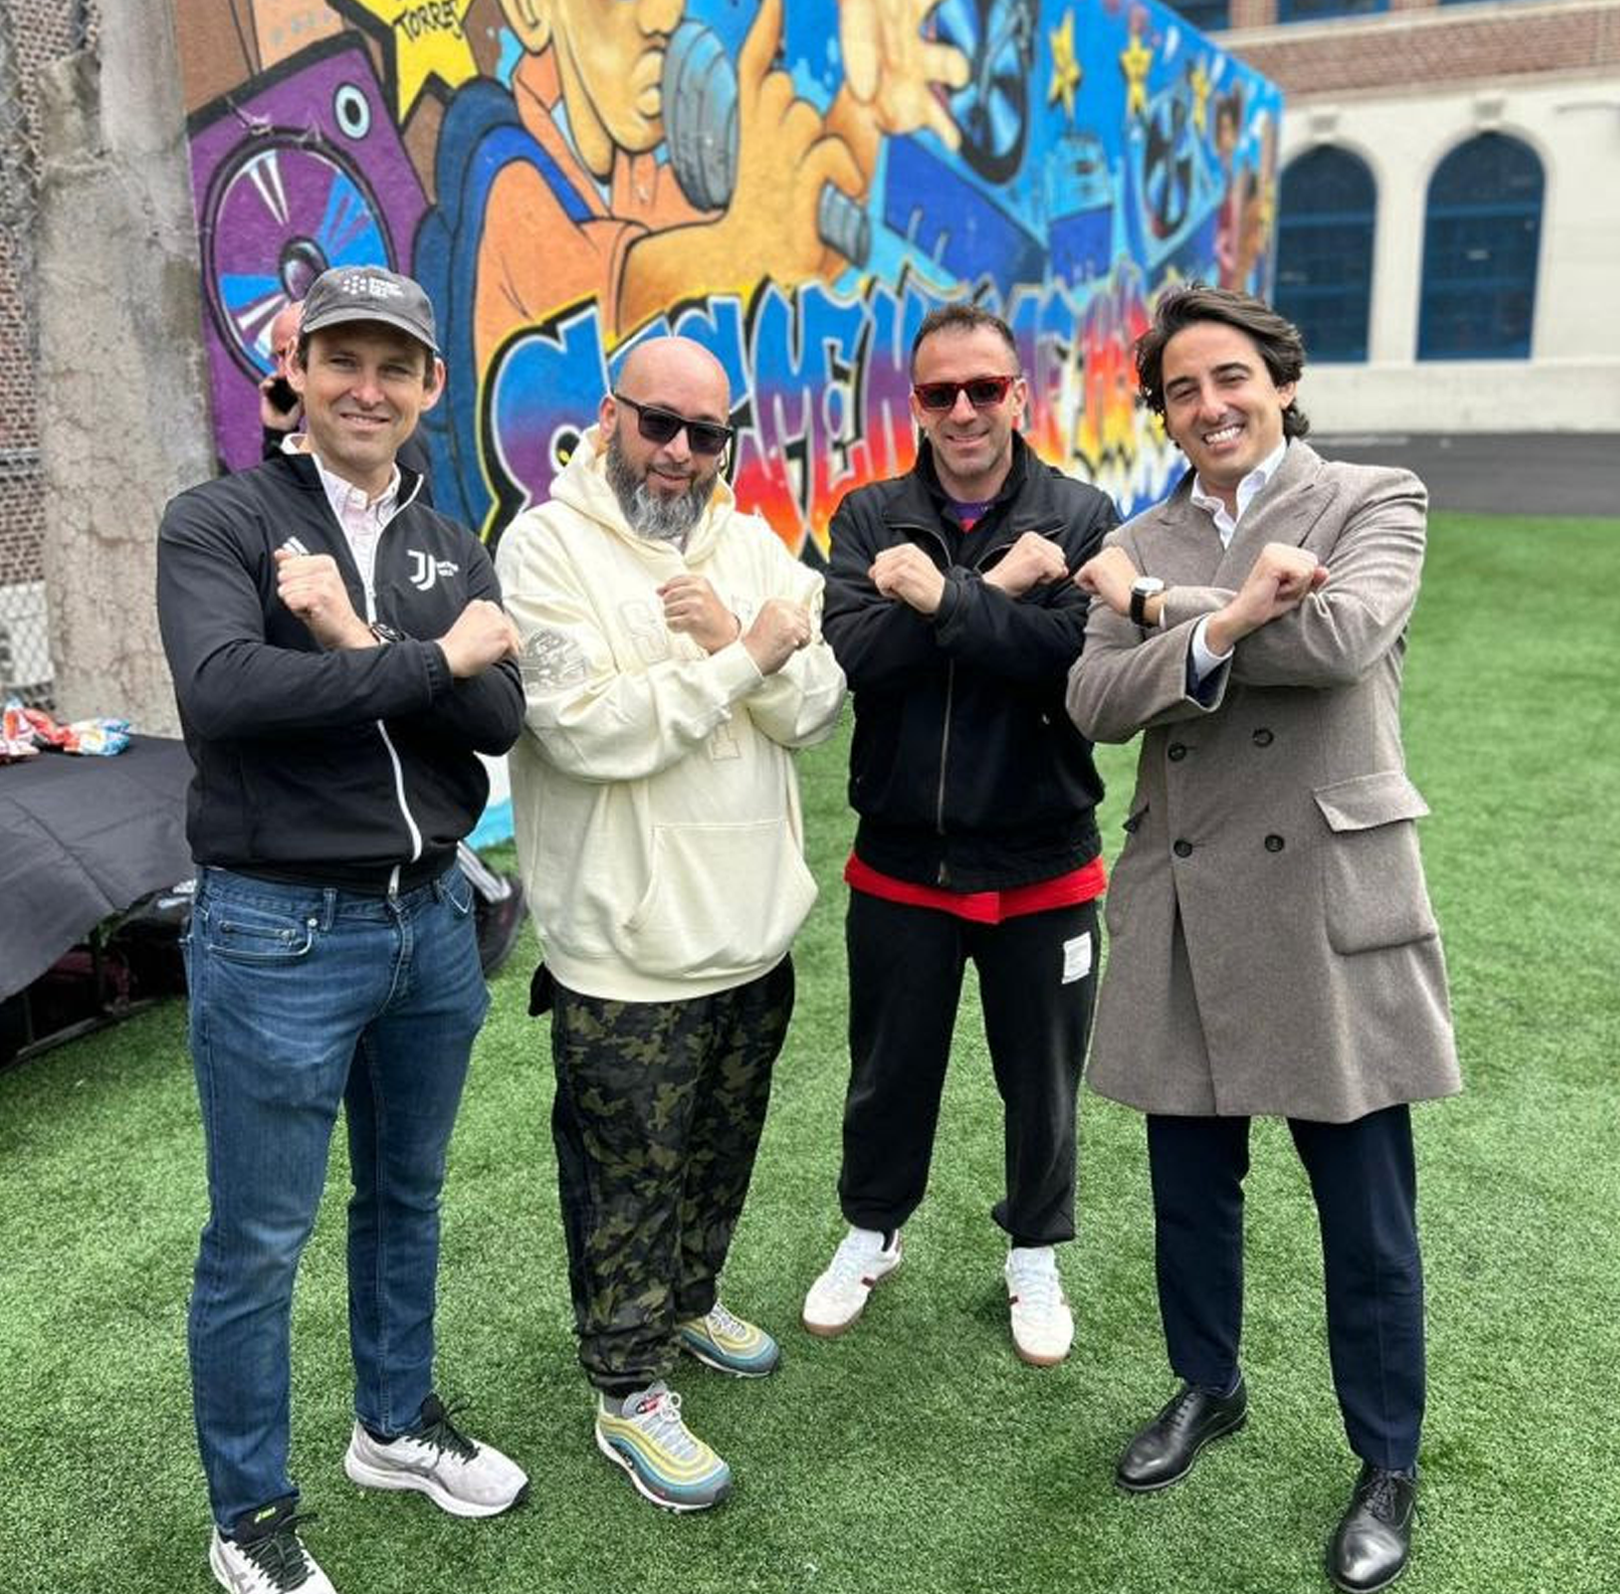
<point x="983" y="392"/>
<point x="663" y="426"/>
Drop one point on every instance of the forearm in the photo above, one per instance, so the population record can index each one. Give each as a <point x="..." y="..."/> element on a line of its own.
<point x="798" y="705"/>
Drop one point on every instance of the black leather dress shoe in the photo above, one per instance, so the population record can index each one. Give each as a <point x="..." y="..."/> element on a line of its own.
<point x="1163" y="1452"/>
<point x="1373" y="1541"/>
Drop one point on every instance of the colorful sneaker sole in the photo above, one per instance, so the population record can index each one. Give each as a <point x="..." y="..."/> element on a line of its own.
<point x="666" y="1493"/>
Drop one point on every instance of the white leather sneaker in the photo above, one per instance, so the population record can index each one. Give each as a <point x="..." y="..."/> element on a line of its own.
<point x="839" y="1296"/>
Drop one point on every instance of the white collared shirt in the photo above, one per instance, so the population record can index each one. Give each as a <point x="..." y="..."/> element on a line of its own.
<point x="1204" y="662"/>
<point x="362" y="519"/>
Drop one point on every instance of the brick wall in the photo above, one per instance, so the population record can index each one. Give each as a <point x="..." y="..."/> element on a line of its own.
<point x="1444" y="45"/>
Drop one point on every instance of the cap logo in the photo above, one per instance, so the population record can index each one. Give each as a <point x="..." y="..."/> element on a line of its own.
<point x="371" y="287"/>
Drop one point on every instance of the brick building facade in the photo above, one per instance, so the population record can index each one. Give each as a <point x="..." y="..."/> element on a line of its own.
<point x="1403" y="86"/>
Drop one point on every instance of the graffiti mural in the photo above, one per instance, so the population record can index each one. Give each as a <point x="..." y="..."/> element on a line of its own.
<point x="794" y="183"/>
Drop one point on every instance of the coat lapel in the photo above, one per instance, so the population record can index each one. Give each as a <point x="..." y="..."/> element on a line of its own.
<point x="1288" y="507"/>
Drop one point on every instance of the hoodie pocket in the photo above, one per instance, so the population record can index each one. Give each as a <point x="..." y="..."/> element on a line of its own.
<point x="723" y="899"/>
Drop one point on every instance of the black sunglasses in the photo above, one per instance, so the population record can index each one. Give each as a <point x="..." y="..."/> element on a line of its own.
<point x="982" y="392"/>
<point x="662" y="426"/>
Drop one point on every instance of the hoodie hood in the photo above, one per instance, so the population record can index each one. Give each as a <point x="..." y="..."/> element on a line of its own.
<point x="584" y="487"/>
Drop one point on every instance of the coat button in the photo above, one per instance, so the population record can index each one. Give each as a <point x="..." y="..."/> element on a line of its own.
<point x="1182" y="849"/>
<point x="1274" y="844"/>
<point x="1175" y="752"/>
<point x="1263" y="737"/>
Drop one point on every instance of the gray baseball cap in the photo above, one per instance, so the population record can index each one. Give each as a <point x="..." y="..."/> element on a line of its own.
<point x="369" y="293"/>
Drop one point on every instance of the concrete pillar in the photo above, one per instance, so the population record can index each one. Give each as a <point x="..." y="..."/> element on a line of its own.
<point x="122" y="380"/>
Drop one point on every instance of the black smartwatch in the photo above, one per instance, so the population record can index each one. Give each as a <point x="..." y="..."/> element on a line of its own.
<point x="1143" y="588"/>
<point x="386" y="633"/>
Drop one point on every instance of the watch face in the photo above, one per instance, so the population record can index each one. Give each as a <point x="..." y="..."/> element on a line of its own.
<point x="386" y="633"/>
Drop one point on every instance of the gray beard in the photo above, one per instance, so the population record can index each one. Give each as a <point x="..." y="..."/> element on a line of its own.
<point x="657" y="516"/>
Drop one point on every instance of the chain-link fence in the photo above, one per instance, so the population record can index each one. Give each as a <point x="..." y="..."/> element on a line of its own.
<point x="32" y="33"/>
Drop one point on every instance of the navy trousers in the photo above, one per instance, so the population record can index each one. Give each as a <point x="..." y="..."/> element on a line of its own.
<point x="1363" y="1178"/>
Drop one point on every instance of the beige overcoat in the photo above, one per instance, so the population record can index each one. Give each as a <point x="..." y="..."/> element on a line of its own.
<point x="1271" y="944"/>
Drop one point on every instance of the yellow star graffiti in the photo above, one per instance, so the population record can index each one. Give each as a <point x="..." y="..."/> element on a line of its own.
<point x="1198" y="78"/>
<point x="426" y="40"/>
<point x="1066" y="70"/>
<point x="1134" y="62"/>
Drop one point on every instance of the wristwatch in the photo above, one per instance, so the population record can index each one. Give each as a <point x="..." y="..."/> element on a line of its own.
<point x="1143" y="588"/>
<point x="386" y="633"/>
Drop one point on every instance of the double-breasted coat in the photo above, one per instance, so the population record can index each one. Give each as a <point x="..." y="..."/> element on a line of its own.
<point x="1272" y="949"/>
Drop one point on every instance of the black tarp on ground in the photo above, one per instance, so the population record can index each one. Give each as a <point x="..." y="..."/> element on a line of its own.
<point x="81" y="838"/>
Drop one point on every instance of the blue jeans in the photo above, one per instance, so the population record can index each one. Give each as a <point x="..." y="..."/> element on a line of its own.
<point x="303" y="997"/>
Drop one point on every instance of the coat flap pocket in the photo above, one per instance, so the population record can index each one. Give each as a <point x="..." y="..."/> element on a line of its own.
<point x="1133" y="822"/>
<point x="1370" y="800"/>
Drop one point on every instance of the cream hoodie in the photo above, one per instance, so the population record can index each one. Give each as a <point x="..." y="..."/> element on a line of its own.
<point x="654" y="794"/>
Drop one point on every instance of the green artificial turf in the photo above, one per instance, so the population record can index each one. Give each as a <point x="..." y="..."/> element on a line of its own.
<point x="916" y="1454"/>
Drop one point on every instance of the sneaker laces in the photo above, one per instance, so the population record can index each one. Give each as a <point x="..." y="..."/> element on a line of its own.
<point x="1040" y="1289"/>
<point x="855" y="1254"/>
<point x="721" y="1321"/>
<point x="280" y="1554"/>
<point x="658" y="1414"/>
<point x="439" y="1433"/>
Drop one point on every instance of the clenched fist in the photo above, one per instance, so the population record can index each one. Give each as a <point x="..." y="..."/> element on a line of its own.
<point x="779" y="630"/>
<point x="481" y="636"/>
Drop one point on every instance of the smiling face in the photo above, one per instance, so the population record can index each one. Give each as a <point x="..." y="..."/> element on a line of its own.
<point x="364" y="387"/>
<point x="972" y="447"/>
<point x="683" y="378"/>
<point x="1221" y="407"/>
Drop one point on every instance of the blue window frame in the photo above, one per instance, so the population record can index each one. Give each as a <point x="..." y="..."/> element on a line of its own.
<point x="1319" y="10"/>
<point x="1325" y="222"/>
<point x="1208" y="16"/>
<point x="1481" y="241"/>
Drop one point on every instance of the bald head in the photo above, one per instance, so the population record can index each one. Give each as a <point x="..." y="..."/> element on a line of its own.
<point x="662" y="482"/>
<point x="668" y="365"/>
<point x="284" y="333"/>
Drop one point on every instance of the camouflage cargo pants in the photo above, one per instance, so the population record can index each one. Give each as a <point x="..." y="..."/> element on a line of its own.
<point x="656" y="1120"/>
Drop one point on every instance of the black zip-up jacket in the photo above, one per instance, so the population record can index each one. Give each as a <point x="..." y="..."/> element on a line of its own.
<point x="354" y="767"/>
<point x="966" y="771"/>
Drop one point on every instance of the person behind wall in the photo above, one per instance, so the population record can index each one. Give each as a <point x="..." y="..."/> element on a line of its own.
<point x="672" y="664"/>
<point x="1272" y="948"/>
<point x="950" y="609"/>
<point x="334" y="711"/>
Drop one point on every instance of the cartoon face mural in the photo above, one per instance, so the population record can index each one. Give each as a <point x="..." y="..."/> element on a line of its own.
<point x="795" y="183"/>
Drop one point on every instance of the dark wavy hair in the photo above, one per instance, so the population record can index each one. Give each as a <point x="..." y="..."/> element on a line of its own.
<point x="1276" y="337"/>
<point x="962" y="318"/>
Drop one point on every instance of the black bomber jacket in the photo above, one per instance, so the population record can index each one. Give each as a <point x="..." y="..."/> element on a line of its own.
<point x="966" y="770"/>
<point x="351" y="767"/>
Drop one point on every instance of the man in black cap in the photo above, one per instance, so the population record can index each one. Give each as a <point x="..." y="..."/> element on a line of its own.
<point x="340" y="657"/>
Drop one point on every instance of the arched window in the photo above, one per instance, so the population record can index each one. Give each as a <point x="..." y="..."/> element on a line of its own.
<point x="1481" y="237"/>
<point x="1320" y="10"/>
<point x="1325" y="249"/>
<point x="1209" y="16"/>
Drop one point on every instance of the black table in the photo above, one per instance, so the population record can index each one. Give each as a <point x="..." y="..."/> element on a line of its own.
<point x="82" y="838"/>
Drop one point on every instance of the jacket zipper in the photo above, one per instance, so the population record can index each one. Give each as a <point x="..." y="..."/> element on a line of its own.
<point x="943" y="878"/>
<point x="382" y="730"/>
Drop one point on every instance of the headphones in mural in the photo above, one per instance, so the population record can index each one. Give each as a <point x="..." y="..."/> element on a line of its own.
<point x="699" y="94"/>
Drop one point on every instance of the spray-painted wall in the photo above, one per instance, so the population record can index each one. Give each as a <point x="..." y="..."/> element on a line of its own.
<point x="795" y="183"/>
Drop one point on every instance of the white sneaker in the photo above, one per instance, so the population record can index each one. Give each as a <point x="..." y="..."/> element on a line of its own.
<point x="273" y="1563"/>
<point x="1042" y="1324"/>
<point x="456" y="1473"/>
<point x="838" y="1297"/>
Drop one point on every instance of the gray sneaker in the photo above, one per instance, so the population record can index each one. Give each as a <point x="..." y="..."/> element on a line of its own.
<point x="436" y="1458"/>
<point x="271" y="1561"/>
